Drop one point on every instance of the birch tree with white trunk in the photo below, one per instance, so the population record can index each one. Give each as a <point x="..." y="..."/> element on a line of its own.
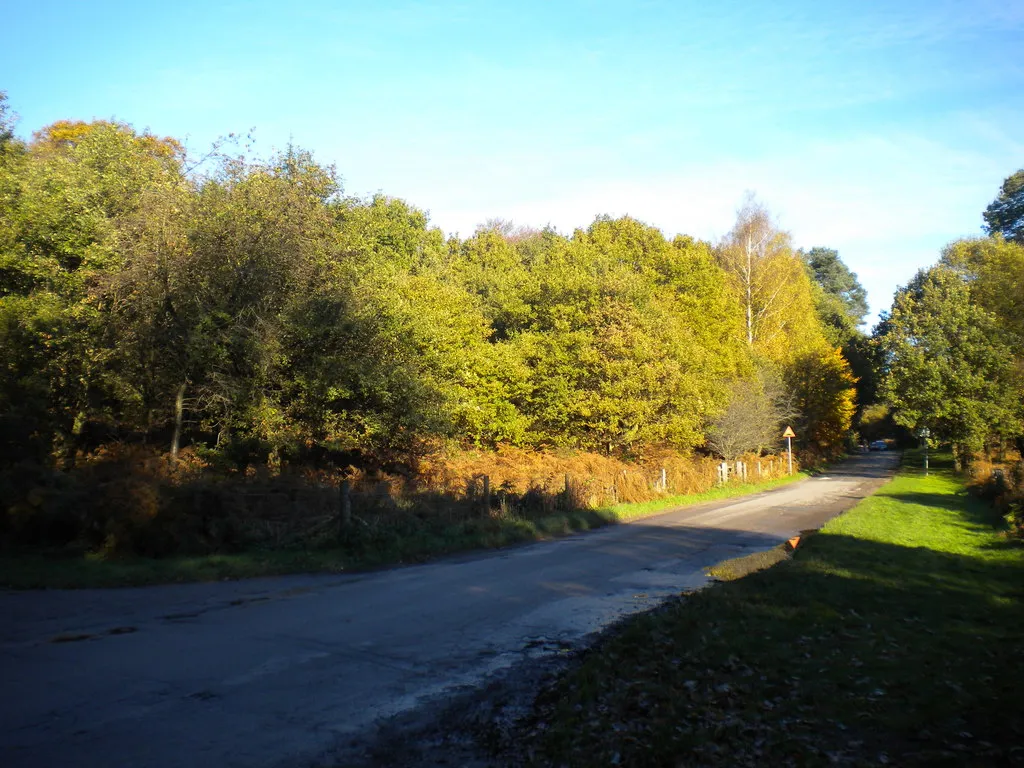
<point x="770" y="283"/>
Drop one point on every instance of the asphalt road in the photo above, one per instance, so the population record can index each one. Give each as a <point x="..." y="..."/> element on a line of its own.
<point x="281" y="671"/>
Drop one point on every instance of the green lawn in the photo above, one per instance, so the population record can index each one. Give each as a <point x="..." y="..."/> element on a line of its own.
<point x="894" y="636"/>
<point x="409" y="541"/>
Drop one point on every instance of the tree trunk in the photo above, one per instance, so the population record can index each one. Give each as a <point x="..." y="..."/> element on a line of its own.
<point x="179" y="411"/>
<point x="750" y="322"/>
<point x="749" y="280"/>
<point x="959" y="457"/>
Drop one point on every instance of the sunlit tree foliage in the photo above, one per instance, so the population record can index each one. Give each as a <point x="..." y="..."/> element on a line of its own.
<point x="255" y="311"/>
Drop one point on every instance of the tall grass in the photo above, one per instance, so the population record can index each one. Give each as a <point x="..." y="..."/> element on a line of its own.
<point x="140" y="520"/>
<point x="130" y="501"/>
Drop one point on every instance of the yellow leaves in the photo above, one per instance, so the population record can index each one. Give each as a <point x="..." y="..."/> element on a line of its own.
<point x="995" y="271"/>
<point x="823" y="387"/>
<point x="771" y="286"/>
<point x="68" y="134"/>
<point x="299" y="314"/>
<point x="61" y="134"/>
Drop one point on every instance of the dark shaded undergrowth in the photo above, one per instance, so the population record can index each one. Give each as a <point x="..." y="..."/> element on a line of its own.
<point x="893" y="636"/>
<point x="388" y="535"/>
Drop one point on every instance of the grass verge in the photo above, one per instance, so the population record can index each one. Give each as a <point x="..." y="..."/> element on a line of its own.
<point x="363" y="547"/>
<point x="622" y="513"/>
<point x="893" y="636"/>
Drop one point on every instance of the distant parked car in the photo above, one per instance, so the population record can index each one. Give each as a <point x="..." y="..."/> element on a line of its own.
<point x="879" y="445"/>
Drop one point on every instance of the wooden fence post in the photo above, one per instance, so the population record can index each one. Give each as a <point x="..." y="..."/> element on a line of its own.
<point x="345" y="518"/>
<point x="487" y="495"/>
<point x="664" y="479"/>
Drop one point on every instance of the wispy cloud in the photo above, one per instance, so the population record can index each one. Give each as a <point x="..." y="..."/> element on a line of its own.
<point x="888" y="203"/>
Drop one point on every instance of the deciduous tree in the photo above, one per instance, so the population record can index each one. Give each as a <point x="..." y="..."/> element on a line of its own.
<point x="822" y="387"/>
<point x="947" y="365"/>
<point x="1005" y="214"/>
<point x="754" y="419"/>
<point x="771" y="285"/>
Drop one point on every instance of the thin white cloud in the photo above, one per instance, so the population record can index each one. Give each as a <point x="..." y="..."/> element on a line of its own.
<point x="887" y="203"/>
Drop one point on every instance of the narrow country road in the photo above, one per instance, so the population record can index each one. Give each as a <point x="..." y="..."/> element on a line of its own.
<point x="280" y="671"/>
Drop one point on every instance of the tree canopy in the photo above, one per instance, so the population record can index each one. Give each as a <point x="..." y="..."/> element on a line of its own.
<point x="1005" y="214"/>
<point x="949" y="363"/>
<point x="840" y="299"/>
<point x="771" y="286"/>
<point x="6" y="121"/>
<point x="256" y="312"/>
<point x="951" y="351"/>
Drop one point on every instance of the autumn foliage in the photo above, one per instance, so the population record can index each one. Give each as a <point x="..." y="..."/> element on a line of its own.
<point x="248" y="314"/>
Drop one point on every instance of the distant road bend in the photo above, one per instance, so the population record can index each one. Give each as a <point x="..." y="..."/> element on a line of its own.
<point x="279" y="671"/>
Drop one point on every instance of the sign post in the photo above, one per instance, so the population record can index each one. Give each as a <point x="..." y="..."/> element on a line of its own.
<point x="789" y="434"/>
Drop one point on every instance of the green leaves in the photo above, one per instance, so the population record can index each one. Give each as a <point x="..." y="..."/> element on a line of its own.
<point x="891" y="637"/>
<point x="625" y="338"/>
<point x="949" y="362"/>
<point x="293" y="318"/>
<point x="771" y="286"/>
<point x="1005" y="214"/>
<point x="841" y="289"/>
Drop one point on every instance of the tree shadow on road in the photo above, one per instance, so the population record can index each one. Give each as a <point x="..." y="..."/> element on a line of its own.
<point x="856" y="650"/>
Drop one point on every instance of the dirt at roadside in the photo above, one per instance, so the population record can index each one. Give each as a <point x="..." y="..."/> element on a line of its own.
<point x="478" y="727"/>
<point x="474" y="728"/>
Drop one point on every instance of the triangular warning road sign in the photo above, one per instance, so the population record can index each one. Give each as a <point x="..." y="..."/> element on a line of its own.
<point x="789" y="432"/>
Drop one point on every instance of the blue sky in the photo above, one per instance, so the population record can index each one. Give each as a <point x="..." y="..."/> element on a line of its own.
<point x="879" y="129"/>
